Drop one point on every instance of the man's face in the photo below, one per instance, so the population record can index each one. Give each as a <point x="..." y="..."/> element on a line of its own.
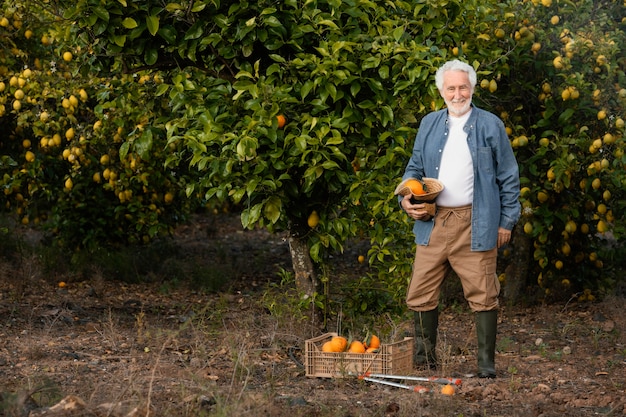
<point x="457" y="92"/>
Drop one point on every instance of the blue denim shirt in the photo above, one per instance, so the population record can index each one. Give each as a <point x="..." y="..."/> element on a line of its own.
<point x="496" y="173"/>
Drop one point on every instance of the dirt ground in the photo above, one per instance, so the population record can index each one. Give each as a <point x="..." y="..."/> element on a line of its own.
<point x="98" y="347"/>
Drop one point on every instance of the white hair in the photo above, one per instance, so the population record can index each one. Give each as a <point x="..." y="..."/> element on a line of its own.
<point x="455" y="65"/>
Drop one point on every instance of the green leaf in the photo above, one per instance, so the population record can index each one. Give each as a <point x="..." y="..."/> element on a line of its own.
<point x="124" y="150"/>
<point x="172" y="7"/>
<point x="195" y="31"/>
<point x="143" y="144"/>
<point x="152" y="22"/>
<point x="129" y="23"/>
<point x="566" y="115"/>
<point x="119" y="40"/>
<point x="198" y="6"/>
<point x="329" y="23"/>
<point x="306" y="88"/>
<point x="272" y="209"/>
<point x="168" y="33"/>
<point x="397" y="33"/>
<point x="151" y="56"/>
<point x="102" y="13"/>
<point x="162" y="89"/>
<point x="383" y="72"/>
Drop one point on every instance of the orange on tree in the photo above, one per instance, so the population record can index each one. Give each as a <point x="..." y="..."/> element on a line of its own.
<point x="282" y="120"/>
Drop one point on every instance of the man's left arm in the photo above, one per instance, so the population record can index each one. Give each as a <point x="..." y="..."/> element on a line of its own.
<point x="509" y="185"/>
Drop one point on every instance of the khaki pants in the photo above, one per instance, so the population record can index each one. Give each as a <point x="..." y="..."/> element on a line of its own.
<point x="449" y="248"/>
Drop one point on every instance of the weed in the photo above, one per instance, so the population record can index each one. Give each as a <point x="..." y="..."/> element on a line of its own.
<point x="505" y="344"/>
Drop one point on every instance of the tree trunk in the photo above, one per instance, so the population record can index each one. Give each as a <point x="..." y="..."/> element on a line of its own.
<point x="517" y="271"/>
<point x="306" y="280"/>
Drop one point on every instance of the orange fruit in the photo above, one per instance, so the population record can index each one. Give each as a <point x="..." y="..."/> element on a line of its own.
<point x="339" y="343"/>
<point x="374" y="342"/>
<point x="328" y="347"/>
<point x="447" y="389"/>
<point x="356" y="347"/>
<point x="282" y="120"/>
<point x="371" y="350"/>
<point x="417" y="188"/>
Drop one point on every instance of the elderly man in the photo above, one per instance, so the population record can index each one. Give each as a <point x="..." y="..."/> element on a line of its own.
<point x="467" y="149"/>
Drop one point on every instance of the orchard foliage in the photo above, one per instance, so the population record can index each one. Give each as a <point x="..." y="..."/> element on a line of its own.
<point x="79" y="157"/>
<point x="164" y="107"/>
<point x="564" y="100"/>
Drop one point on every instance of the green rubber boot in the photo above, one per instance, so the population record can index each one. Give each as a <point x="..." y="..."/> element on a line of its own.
<point x="426" y="323"/>
<point x="486" y="329"/>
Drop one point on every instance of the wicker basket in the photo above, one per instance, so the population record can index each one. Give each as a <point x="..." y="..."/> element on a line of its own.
<point x="393" y="358"/>
<point x="432" y="187"/>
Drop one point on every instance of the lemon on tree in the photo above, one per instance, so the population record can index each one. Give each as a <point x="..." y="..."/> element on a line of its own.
<point x="313" y="219"/>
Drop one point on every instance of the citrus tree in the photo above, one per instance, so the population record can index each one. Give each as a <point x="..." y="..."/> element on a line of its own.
<point x="303" y="114"/>
<point x="563" y="99"/>
<point x="79" y="156"/>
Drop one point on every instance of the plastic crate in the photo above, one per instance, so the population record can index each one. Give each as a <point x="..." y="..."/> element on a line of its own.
<point x="391" y="359"/>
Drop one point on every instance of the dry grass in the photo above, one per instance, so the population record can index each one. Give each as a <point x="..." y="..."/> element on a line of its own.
<point x="169" y="348"/>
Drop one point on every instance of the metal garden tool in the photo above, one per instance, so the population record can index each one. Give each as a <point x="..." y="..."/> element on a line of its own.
<point x="432" y="379"/>
<point x="416" y="388"/>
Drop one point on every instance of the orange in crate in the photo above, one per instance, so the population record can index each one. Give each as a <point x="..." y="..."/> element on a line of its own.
<point x="390" y="359"/>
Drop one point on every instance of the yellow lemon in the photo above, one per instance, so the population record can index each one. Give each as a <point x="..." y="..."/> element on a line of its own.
<point x="528" y="228"/>
<point x="596" y="183"/>
<point x="313" y="220"/>
<point x="493" y="86"/>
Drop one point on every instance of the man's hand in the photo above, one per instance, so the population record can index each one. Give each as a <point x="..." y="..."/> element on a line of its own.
<point x="415" y="211"/>
<point x="504" y="237"/>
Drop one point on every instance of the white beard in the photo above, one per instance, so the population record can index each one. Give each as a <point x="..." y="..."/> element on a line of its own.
<point x="458" y="109"/>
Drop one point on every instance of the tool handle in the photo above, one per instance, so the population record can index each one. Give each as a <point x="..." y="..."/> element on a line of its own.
<point x="455" y="381"/>
<point x="433" y="379"/>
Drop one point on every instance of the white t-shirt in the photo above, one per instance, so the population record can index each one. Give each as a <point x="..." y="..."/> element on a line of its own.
<point x="456" y="171"/>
